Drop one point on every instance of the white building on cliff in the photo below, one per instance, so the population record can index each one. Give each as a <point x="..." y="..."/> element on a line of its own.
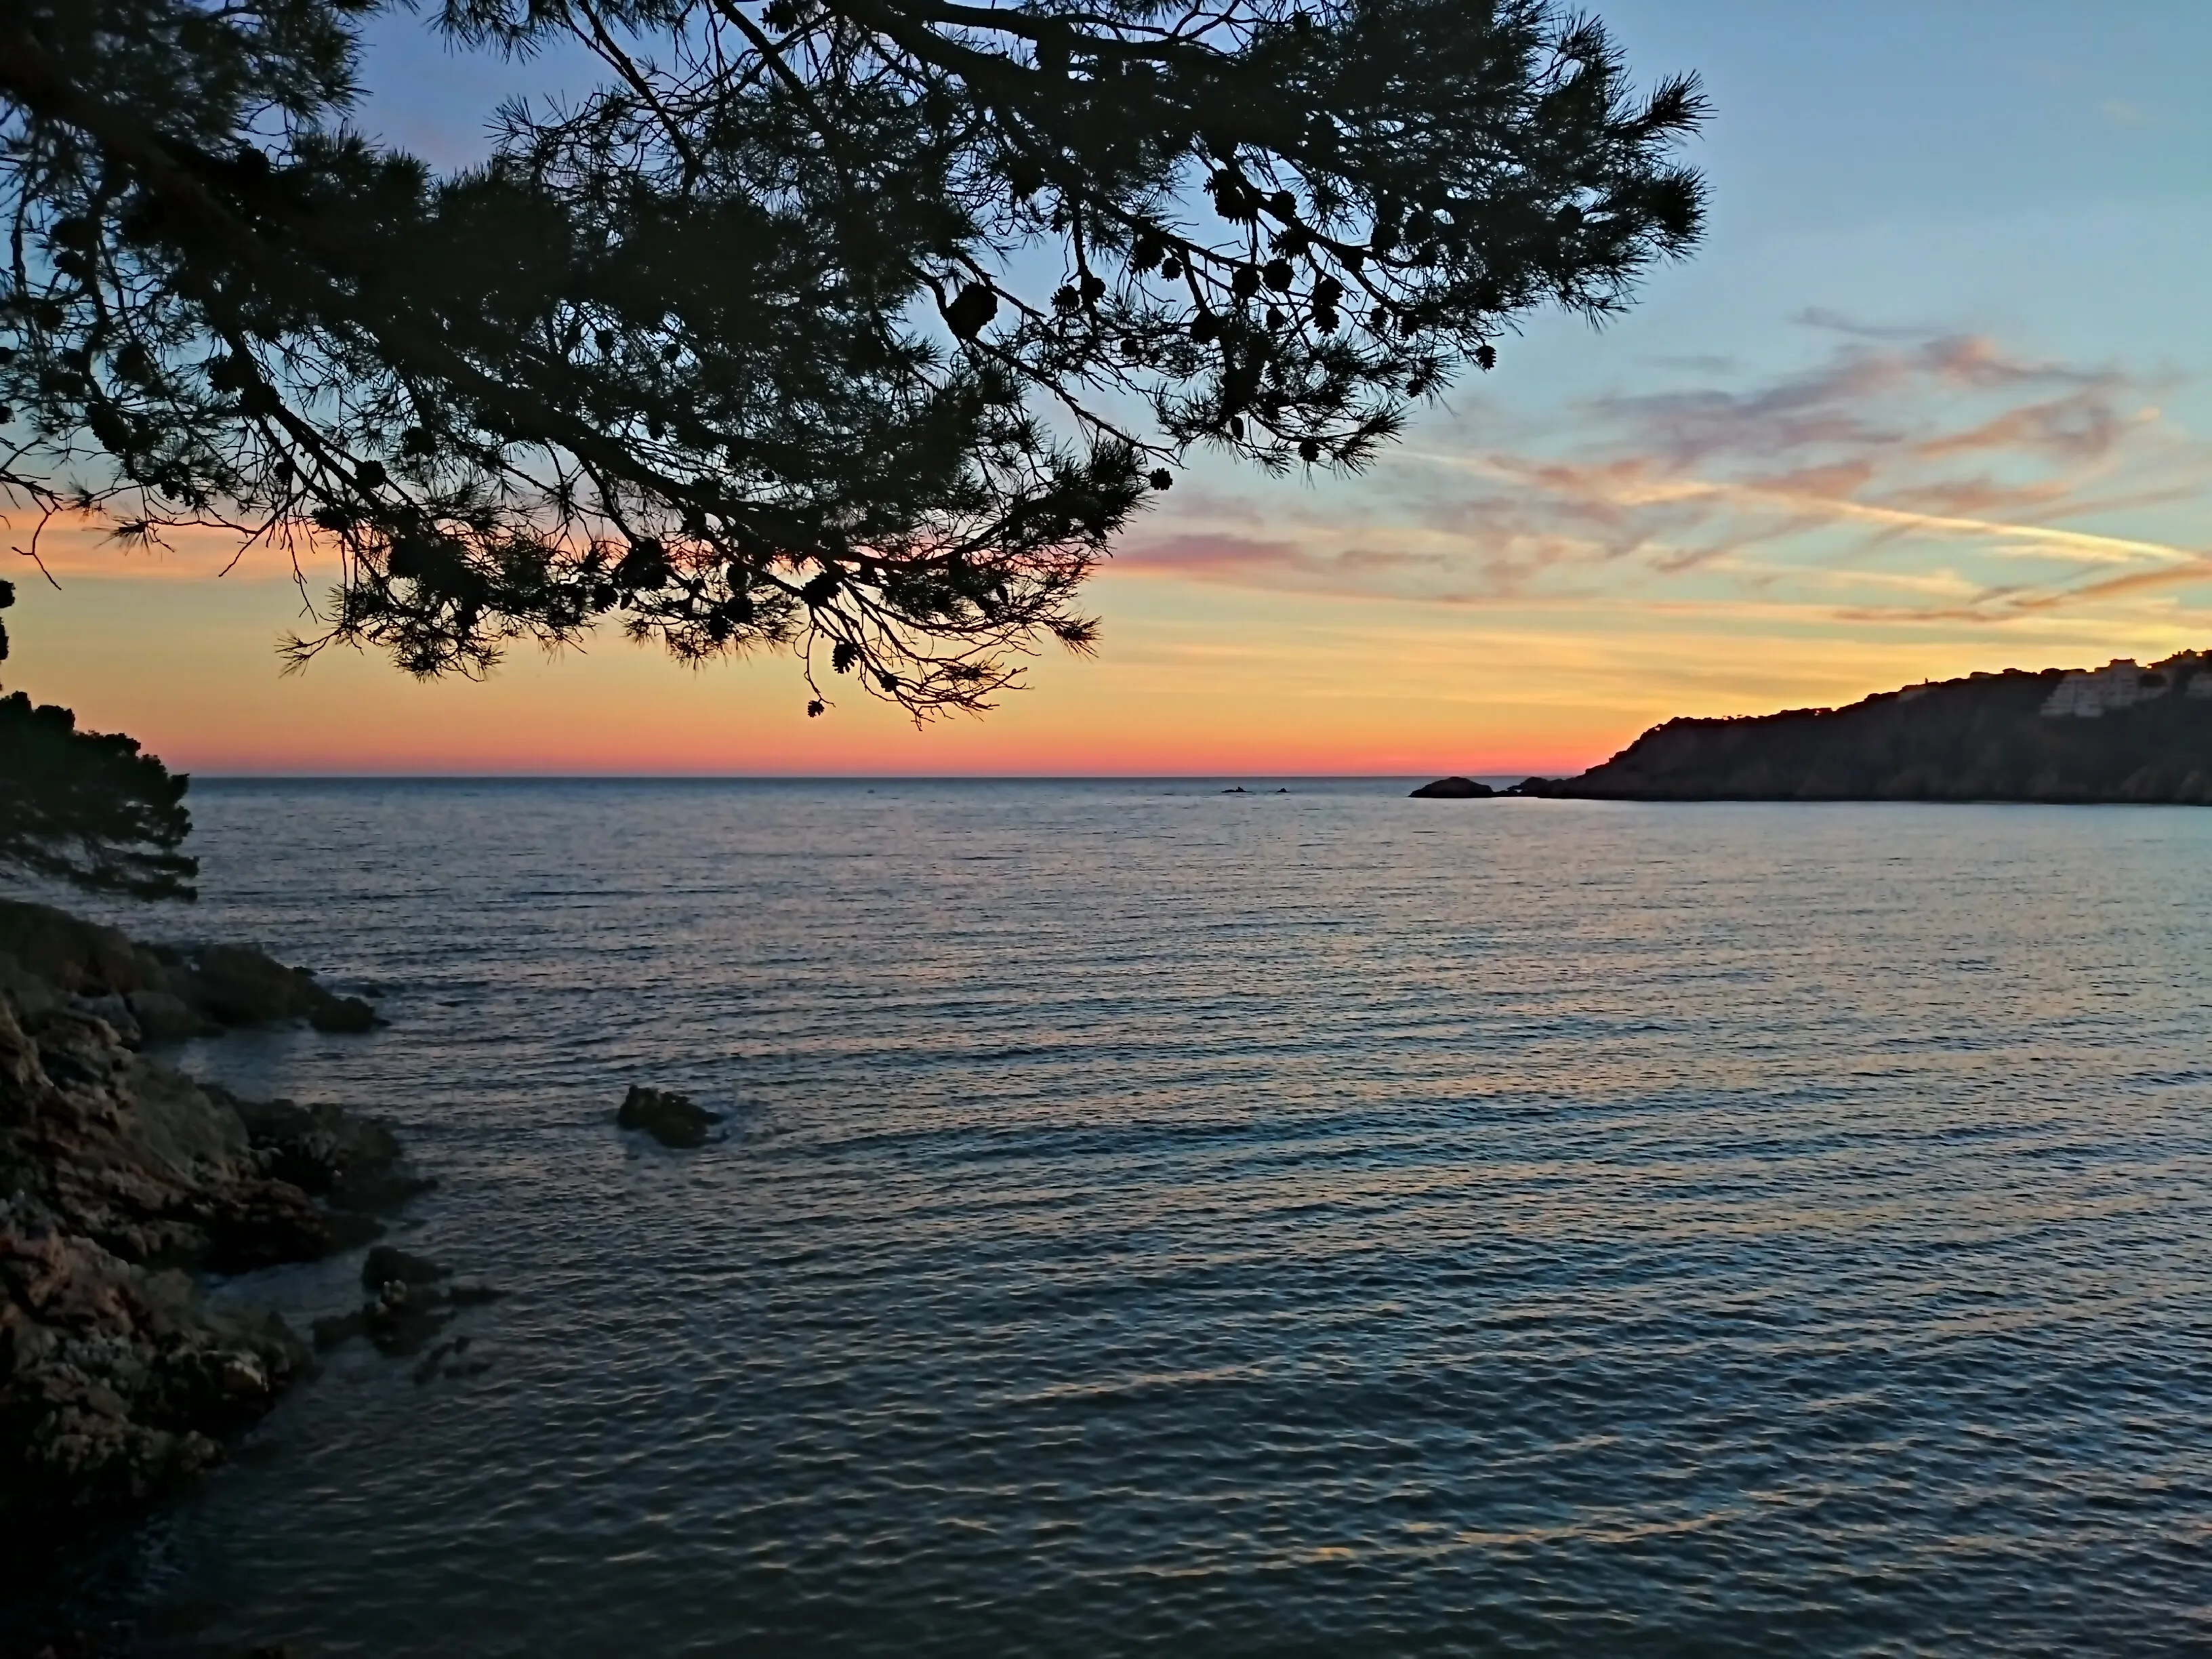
<point x="2091" y="694"/>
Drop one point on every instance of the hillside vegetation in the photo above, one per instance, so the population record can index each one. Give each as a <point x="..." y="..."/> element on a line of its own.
<point x="2118" y="733"/>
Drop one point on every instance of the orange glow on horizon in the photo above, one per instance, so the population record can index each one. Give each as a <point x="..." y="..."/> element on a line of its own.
<point x="1193" y="680"/>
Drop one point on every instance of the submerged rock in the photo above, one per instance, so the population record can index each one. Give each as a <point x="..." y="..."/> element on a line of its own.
<point x="388" y="1264"/>
<point x="405" y="1307"/>
<point x="450" y="1359"/>
<point x="1454" y="788"/>
<point x="671" y="1119"/>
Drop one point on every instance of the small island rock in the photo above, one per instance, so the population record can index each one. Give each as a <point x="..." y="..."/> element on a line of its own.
<point x="671" y="1119"/>
<point x="1454" y="788"/>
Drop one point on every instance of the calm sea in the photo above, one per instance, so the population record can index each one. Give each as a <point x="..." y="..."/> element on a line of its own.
<point x="1323" y="1222"/>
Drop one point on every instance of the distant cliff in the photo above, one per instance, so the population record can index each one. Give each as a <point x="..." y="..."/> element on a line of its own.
<point x="2117" y="734"/>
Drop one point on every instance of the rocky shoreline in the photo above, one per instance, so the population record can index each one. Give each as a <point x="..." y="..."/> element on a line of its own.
<point x="123" y="1183"/>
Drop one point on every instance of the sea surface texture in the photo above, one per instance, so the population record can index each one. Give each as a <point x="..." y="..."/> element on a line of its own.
<point x="1151" y="1220"/>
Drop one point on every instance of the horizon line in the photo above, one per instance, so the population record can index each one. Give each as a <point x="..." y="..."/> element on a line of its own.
<point x="819" y="777"/>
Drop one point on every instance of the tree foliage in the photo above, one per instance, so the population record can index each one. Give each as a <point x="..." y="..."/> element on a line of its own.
<point x="86" y="807"/>
<point x="858" y="327"/>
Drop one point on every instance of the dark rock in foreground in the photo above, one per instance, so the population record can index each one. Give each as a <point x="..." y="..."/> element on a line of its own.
<point x="121" y="1180"/>
<point x="671" y="1119"/>
<point x="2118" y="733"/>
<point x="354" y="1163"/>
<point x="1454" y="788"/>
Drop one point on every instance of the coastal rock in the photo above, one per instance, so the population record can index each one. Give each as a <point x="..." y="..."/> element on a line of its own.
<point x="352" y="1163"/>
<point x="237" y="985"/>
<point x="165" y="1018"/>
<point x="2117" y="734"/>
<point x="116" y="1012"/>
<point x="75" y="957"/>
<point x="348" y="1016"/>
<point x="1454" y="788"/>
<point x="117" y="1381"/>
<point x="168" y="992"/>
<point x="671" y="1119"/>
<point x="32" y="996"/>
<point x="121" y="1178"/>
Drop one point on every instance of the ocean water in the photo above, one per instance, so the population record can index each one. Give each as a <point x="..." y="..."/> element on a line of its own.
<point x="1157" y="1221"/>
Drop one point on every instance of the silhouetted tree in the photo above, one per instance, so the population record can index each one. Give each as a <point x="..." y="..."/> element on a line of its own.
<point x="87" y="808"/>
<point x="858" y="325"/>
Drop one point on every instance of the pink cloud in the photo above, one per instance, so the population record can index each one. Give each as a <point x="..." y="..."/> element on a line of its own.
<point x="1945" y="451"/>
<point x="1208" y="554"/>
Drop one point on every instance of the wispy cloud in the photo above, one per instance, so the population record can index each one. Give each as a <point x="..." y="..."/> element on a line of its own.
<point x="1899" y="475"/>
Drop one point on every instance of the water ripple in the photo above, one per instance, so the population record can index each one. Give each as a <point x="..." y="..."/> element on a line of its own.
<point x="1295" y="1224"/>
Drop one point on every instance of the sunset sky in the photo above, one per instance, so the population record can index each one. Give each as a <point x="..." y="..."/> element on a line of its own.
<point x="1933" y="398"/>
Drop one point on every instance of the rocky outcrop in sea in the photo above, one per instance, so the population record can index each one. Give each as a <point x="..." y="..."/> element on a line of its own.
<point x="124" y="1184"/>
<point x="673" y="1119"/>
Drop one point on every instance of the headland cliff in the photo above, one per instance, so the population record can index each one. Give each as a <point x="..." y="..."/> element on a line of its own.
<point x="2122" y="732"/>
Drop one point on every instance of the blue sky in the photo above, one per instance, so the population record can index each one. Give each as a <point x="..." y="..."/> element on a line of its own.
<point x="1897" y="160"/>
